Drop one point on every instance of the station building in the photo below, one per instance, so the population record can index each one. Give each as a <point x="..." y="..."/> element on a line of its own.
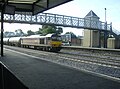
<point x="93" y="38"/>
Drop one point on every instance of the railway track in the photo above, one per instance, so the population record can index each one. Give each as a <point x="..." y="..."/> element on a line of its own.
<point x="95" y="58"/>
<point x="101" y="63"/>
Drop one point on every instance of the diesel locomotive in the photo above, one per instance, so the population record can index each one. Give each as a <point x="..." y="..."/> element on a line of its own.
<point x="50" y="42"/>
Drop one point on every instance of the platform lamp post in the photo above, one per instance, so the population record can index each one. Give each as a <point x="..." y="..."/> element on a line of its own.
<point x="105" y="14"/>
<point x="105" y="32"/>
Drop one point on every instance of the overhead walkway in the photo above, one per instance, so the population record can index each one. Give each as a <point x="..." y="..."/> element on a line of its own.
<point x="55" y="19"/>
<point x="60" y="20"/>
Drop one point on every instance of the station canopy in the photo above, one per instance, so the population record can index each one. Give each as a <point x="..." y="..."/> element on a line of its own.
<point x="34" y="6"/>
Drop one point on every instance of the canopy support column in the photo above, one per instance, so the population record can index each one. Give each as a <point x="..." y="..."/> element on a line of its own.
<point x="2" y="29"/>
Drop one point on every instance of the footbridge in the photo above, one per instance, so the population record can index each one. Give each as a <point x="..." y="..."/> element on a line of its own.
<point x="55" y="19"/>
<point x="59" y="20"/>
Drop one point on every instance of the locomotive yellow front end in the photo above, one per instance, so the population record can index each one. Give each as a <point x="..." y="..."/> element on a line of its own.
<point x="56" y="42"/>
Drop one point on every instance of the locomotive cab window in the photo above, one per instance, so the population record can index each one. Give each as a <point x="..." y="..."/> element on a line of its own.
<point x="57" y="38"/>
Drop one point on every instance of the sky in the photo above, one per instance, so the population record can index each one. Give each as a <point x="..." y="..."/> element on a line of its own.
<point x="79" y="8"/>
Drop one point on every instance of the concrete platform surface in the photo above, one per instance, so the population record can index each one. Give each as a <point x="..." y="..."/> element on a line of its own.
<point x="39" y="74"/>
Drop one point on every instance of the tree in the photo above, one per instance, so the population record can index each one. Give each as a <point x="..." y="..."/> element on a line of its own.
<point x="47" y="26"/>
<point x="59" y="30"/>
<point x="39" y="31"/>
<point x="19" y="32"/>
<point x="29" y="32"/>
<point x="48" y="29"/>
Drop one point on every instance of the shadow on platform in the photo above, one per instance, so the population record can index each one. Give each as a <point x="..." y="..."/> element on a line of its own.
<point x="8" y="80"/>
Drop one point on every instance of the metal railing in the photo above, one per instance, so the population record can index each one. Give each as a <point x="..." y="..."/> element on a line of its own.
<point x="116" y="31"/>
<point x="58" y="20"/>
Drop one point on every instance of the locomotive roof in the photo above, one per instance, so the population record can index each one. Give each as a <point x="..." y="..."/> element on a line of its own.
<point x="38" y="36"/>
<point x="33" y="36"/>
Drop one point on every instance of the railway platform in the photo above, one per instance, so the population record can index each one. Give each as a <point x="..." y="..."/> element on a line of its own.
<point x="94" y="49"/>
<point x="39" y="74"/>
